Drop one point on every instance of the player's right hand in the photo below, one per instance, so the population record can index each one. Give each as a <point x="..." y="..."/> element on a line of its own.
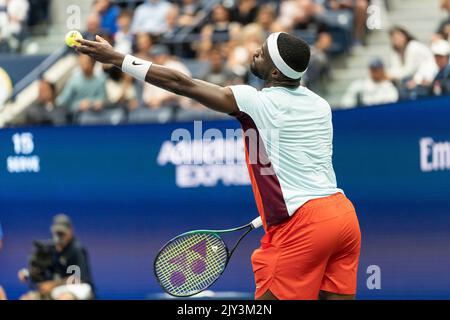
<point x="101" y="50"/>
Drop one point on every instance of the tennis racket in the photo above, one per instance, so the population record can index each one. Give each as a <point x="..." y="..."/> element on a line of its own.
<point x="191" y="262"/>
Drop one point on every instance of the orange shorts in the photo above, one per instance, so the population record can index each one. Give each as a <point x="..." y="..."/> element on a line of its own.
<point x="316" y="249"/>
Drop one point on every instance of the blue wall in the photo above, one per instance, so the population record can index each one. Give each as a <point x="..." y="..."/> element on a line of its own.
<point x="18" y="67"/>
<point x="125" y="205"/>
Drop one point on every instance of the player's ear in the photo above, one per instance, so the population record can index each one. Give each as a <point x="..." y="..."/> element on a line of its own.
<point x="275" y="73"/>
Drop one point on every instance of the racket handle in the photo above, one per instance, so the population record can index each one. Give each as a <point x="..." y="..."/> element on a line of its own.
<point x="256" y="223"/>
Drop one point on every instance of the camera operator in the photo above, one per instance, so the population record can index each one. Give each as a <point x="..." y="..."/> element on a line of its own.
<point x="60" y="269"/>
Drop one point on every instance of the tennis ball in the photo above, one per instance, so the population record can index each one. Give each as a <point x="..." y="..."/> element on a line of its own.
<point x="71" y="38"/>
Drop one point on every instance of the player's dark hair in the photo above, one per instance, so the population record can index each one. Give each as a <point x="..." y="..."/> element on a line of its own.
<point x="294" y="51"/>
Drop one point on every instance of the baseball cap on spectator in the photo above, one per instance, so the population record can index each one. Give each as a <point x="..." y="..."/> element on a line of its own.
<point x="61" y="223"/>
<point x="376" y="63"/>
<point x="440" y="48"/>
<point x="159" y="50"/>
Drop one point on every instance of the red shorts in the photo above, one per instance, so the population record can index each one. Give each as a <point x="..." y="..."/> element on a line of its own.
<point x="316" y="249"/>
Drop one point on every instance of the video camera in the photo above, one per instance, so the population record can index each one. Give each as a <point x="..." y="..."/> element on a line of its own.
<point x="41" y="260"/>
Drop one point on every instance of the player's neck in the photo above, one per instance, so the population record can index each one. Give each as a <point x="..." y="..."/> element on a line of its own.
<point x="291" y="84"/>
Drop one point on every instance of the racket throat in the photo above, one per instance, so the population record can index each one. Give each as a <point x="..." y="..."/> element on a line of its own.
<point x="239" y="241"/>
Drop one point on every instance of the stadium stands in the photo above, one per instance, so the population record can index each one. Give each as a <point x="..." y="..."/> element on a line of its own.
<point x="194" y="31"/>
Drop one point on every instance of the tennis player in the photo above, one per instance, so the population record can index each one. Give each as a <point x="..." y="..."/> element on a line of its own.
<point x="311" y="245"/>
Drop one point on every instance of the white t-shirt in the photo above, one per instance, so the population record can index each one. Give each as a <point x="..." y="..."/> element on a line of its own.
<point x="295" y="157"/>
<point x="371" y="93"/>
<point x="418" y="62"/>
<point x="17" y="9"/>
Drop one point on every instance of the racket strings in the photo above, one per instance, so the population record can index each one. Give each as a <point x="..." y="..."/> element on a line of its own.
<point x="191" y="263"/>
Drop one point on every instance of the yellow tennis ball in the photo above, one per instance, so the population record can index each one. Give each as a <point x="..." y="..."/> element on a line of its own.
<point x="71" y="38"/>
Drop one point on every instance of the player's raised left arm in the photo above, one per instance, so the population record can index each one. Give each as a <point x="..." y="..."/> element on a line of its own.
<point x="212" y="96"/>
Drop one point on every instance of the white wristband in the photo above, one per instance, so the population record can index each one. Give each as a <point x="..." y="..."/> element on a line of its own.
<point x="256" y="223"/>
<point x="136" y="67"/>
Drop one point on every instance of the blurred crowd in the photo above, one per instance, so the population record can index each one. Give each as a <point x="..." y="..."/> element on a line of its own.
<point x="414" y="69"/>
<point x="17" y="19"/>
<point x="210" y="40"/>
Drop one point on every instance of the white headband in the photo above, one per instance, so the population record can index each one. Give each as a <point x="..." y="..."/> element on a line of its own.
<point x="272" y="44"/>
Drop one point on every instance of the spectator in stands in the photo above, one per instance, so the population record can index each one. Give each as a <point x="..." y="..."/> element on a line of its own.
<point x="92" y="27"/>
<point x="319" y="62"/>
<point x="187" y="12"/>
<point x="410" y="59"/>
<point x="154" y="97"/>
<point x="4" y="31"/>
<point x="376" y="89"/>
<point x="12" y="20"/>
<point x="144" y="44"/>
<point x="176" y="19"/>
<point x="44" y="111"/>
<point x="441" y="83"/>
<point x="359" y="10"/>
<point x="172" y="19"/>
<point x="300" y="15"/>
<point x="220" y="31"/>
<point x="245" y="12"/>
<point x="297" y="14"/>
<point x="267" y="19"/>
<point x="108" y="14"/>
<point x="120" y="89"/>
<point x="443" y="31"/>
<point x="123" y="38"/>
<point x="218" y="73"/>
<point x="60" y="283"/>
<point x="85" y="90"/>
<point x="151" y="17"/>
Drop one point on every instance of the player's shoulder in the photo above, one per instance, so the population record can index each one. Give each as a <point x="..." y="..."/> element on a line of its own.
<point x="317" y="98"/>
<point x="243" y="87"/>
<point x="301" y="95"/>
<point x="244" y="93"/>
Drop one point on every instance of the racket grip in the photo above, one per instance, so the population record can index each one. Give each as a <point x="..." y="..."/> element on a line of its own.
<point x="256" y="223"/>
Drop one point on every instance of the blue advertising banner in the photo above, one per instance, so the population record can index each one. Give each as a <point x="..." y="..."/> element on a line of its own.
<point x="129" y="189"/>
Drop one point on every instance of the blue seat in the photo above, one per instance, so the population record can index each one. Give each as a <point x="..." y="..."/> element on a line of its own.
<point x="146" y="115"/>
<point x="338" y="19"/>
<point x="105" y="117"/>
<point x="340" y="26"/>
<point x="196" y="67"/>
<point x="309" y="35"/>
